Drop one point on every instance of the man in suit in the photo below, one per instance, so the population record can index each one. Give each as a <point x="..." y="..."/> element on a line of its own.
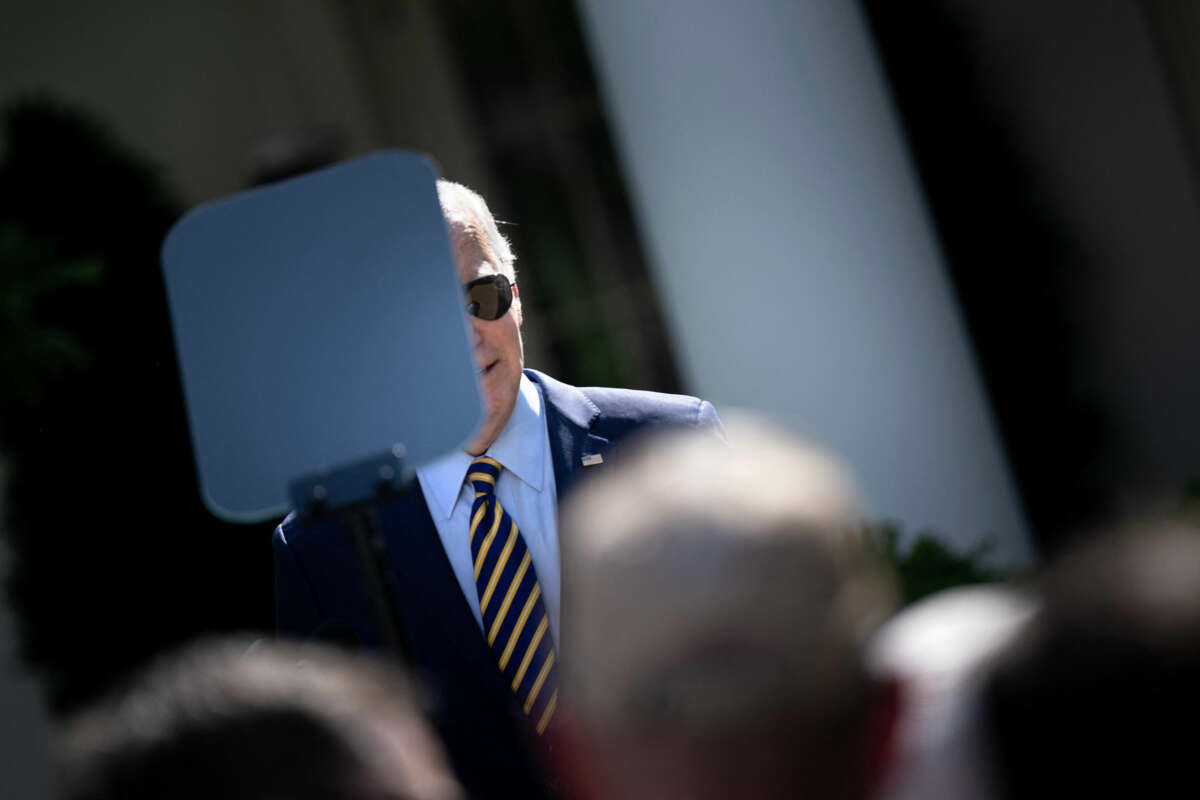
<point x="481" y="621"/>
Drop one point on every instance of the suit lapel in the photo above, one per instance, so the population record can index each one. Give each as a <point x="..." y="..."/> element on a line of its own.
<point x="570" y="416"/>
<point x="425" y="580"/>
<point x="476" y="713"/>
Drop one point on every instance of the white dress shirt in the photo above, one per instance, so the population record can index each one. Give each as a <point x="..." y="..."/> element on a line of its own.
<point x="525" y="488"/>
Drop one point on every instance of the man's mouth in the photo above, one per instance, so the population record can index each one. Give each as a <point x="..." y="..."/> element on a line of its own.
<point x="485" y="370"/>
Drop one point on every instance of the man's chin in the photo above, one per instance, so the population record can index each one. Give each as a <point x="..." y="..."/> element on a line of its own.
<point x="497" y="410"/>
<point x="499" y="393"/>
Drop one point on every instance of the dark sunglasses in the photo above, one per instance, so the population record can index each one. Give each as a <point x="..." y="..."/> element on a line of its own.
<point x="489" y="297"/>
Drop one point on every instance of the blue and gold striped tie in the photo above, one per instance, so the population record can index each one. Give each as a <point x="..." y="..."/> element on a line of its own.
<point x="510" y="599"/>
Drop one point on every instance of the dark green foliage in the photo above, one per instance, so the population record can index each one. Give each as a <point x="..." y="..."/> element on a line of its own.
<point x="33" y="354"/>
<point x="929" y="565"/>
<point x="114" y="557"/>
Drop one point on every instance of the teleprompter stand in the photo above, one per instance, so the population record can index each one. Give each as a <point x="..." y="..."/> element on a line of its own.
<point x="352" y="494"/>
<point x="338" y="290"/>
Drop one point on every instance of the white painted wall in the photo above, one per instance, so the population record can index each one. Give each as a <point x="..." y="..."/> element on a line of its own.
<point x="793" y="251"/>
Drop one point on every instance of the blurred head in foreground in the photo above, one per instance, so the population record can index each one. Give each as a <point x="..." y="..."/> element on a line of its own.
<point x="217" y="720"/>
<point x="713" y="624"/>
<point x="1101" y="692"/>
<point x="940" y="649"/>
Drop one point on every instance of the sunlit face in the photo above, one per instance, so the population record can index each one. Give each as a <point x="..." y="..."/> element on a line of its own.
<point x="498" y="350"/>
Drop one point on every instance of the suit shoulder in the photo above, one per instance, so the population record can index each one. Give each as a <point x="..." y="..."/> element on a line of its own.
<point x="636" y="408"/>
<point x="613" y="413"/>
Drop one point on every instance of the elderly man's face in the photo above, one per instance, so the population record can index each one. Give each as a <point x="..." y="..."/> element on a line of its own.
<point x="499" y="353"/>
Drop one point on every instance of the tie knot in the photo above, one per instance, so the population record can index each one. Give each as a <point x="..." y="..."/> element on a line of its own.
<point x="483" y="474"/>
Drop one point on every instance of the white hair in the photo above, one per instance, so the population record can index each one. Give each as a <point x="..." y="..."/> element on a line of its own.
<point x="471" y="223"/>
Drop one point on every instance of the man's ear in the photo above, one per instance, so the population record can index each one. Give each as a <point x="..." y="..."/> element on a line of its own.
<point x="517" y="310"/>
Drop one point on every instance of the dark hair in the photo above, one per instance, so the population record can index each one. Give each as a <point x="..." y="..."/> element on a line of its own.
<point x="1088" y="700"/>
<point x="224" y="720"/>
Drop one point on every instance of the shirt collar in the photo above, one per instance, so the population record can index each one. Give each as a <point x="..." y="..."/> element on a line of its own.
<point x="520" y="447"/>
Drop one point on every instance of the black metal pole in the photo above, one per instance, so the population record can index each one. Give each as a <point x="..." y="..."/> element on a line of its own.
<point x="352" y="493"/>
<point x="362" y="526"/>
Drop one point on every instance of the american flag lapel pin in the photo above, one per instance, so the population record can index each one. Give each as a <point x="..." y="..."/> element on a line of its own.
<point x="592" y="459"/>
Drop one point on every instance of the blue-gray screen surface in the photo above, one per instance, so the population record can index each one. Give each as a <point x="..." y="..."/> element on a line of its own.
<point x="318" y="321"/>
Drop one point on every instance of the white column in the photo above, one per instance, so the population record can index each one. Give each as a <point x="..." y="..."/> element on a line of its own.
<point x="792" y="249"/>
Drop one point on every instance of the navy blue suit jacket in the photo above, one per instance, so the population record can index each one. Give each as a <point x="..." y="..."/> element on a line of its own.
<point x="317" y="583"/>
